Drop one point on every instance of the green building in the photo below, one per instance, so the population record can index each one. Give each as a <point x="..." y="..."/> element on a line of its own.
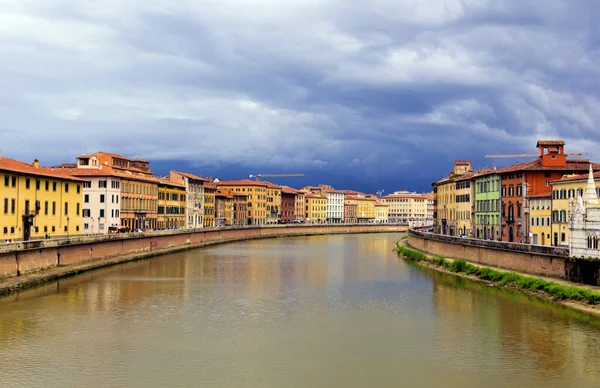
<point x="487" y="206"/>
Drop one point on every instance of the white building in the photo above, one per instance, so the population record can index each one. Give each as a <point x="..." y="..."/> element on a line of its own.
<point x="101" y="207"/>
<point x="415" y="209"/>
<point x="335" y="206"/>
<point x="194" y="190"/>
<point x="584" y="222"/>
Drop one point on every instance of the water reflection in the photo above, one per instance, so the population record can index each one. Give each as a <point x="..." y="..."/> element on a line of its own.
<point x="309" y="311"/>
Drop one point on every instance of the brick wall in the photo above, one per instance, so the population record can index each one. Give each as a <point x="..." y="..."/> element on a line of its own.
<point x="27" y="257"/>
<point x="547" y="261"/>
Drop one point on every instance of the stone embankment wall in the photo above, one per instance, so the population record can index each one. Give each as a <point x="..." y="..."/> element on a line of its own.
<point x="27" y="257"/>
<point x="533" y="259"/>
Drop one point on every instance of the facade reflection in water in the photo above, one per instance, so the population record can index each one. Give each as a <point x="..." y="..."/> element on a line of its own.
<point x="308" y="311"/>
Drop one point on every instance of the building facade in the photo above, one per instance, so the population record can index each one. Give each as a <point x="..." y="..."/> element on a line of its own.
<point x="224" y="208"/>
<point x="172" y="204"/>
<point x="240" y="209"/>
<point x="350" y="209"/>
<point x="288" y="204"/>
<point x="365" y="211"/>
<point x="540" y="228"/>
<point x="407" y="207"/>
<point x="273" y="206"/>
<point x="256" y="193"/>
<point x="381" y="212"/>
<point x="487" y="206"/>
<point x="445" y="219"/>
<point x="37" y="201"/>
<point x="335" y="206"/>
<point x="316" y="208"/>
<point x="194" y="191"/>
<point x="465" y="203"/>
<point x="101" y="208"/>
<point x="210" y="190"/>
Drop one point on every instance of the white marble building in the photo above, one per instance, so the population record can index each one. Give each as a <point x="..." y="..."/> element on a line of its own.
<point x="584" y="223"/>
<point x="335" y="206"/>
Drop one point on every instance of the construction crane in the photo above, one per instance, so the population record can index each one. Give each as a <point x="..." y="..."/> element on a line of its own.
<point x="258" y="176"/>
<point x="524" y="155"/>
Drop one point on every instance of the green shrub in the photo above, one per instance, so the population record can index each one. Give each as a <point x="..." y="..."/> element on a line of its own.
<point x="458" y="265"/>
<point x="410" y="254"/>
<point x="509" y="277"/>
<point x="440" y="261"/>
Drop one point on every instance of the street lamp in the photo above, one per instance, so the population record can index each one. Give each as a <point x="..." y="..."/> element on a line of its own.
<point x="68" y="219"/>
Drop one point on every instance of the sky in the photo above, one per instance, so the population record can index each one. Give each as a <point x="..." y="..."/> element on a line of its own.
<point x="365" y="95"/>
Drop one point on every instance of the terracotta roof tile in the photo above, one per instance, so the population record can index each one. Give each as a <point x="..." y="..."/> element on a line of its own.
<point x="550" y="143"/>
<point x="189" y="176"/>
<point x="577" y="177"/>
<point x="12" y="165"/>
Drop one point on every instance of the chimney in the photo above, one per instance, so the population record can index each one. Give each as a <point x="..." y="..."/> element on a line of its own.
<point x="0" y="154"/>
<point x="36" y="163"/>
<point x="494" y="167"/>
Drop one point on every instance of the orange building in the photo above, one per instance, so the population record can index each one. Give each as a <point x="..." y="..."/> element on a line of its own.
<point x="240" y="209"/>
<point x="288" y="204"/>
<point x="533" y="179"/>
<point x="223" y="207"/>
<point x="256" y="193"/>
<point x="210" y="189"/>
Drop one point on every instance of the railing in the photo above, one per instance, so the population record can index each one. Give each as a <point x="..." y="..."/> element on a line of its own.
<point x="500" y="245"/>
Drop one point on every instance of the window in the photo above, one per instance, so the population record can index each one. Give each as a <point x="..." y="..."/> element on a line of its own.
<point x="519" y="190"/>
<point x="6" y="180"/>
<point x="101" y="213"/>
<point x="77" y="228"/>
<point x="86" y="198"/>
<point x="66" y="208"/>
<point x="12" y="230"/>
<point x="86" y="226"/>
<point x="26" y="206"/>
<point x="511" y="191"/>
<point x="12" y="206"/>
<point x="53" y="209"/>
<point x="53" y="229"/>
<point x="87" y="185"/>
<point x="66" y="187"/>
<point x="77" y="209"/>
<point x="86" y="213"/>
<point x="13" y="182"/>
<point x="66" y="230"/>
<point x="78" y="191"/>
<point x="45" y="208"/>
<point x="102" y="184"/>
<point x="37" y="184"/>
<point x="45" y="229"/>
<point x="117" y="199"/>
<point x="5" y="205"/>
<point x="53" y="186"/>
<point x="563" y="216"/>
<point x="563" y="238"/>
<point x="47" y="185"/>
<point x="101" y="198"/>
<point x="5" y="230"/>
<point x="27" y="183"/>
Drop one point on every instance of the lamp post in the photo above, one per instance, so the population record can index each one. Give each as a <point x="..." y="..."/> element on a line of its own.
<point x="92" y="218"/>
<point x="68" y="219"/>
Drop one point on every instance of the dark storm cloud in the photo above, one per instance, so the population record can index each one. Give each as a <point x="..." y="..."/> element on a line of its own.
<point x="380" y="89"/>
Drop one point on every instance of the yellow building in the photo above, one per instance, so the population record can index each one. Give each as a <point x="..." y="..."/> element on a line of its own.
<point x="273" y="203"/>
<point x="562" y="191"/>
<point x="171" y="205"/>
<point x="445" y="212"/>
<point x="540" y="227"/>
<point x="316" y="208"/>
<point x="463" y="204"/>
<point x="257" y="198"/>
<point x="209" y="204"/>
<point x="38" y="200"/>
<point x="365" y="210"/>
<point x="381" y="212"/>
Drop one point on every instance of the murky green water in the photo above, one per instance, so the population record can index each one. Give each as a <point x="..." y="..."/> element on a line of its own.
<point x="336" y="311"/>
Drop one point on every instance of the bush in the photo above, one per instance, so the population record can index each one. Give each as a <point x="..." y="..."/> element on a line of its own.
<point x="458" y="266"/>
<point x="440" y="261"/>
<point x="410" y="254"/>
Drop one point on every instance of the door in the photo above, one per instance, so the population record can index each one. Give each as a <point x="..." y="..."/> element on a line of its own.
<point x="535" y="239"/>
<point x="555" y="239"/>
<point x="543" y="238"/>
<point x="511" y="235"/>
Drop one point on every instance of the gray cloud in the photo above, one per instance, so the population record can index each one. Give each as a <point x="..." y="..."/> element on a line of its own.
<point x="380" y="86"/>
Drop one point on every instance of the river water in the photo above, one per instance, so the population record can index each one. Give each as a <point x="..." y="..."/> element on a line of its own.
<point x="333" y="311"/>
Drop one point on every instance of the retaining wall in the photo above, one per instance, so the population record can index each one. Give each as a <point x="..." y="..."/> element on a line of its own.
<point x="534" y="259"/>
<point x="32" y="256"/>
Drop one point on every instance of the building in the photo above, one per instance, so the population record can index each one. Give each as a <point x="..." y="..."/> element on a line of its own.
<point x="487" y="206"/>
<point x="407" y="207"/>
<point x="273" y="207"/>
<point x="316" y="208"/>
<point x="256" y="196"/>
<point x="224" y="207"/>
<point x="350" y="209"/>
<point x="520" y="181"/>
<point x="465" y="204"/>
<point x="584" y="223"/>
<point x="172" y="203"/>
<point x="288" y="205"/>
<point x="540" y="227"/>
<point x="38" y="200"/>
<point x="335" y="202"/>
<point x="300" y="206"/>
<point x="240" y="209"/>
<point x="381" y="212"/>
<point x="563" y="191"/>
<point x="139" y="187"/>
<point x="101" y="206"/>
<point x="445" y="220"/>
<point x="210" y="189"/>
<point x="365" y="210"/>
<point x="194" y="191"/>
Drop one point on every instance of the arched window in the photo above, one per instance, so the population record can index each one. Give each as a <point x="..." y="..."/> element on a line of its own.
<point x="595" y="242"/>
<point x="589" y="242"/>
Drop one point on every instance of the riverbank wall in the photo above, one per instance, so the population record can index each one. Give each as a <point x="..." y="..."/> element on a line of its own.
<point x="20" y="259"/>
<point x="533" y="259"/>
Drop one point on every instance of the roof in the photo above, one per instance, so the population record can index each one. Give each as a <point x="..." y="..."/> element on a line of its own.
<point x="169" y="182"/>
<point x="311" y="195"/>
<point x="12" y="165"/>
<point x="536" y="165"/>
<point x="577" y="177"/>
<point x="88" y="172"/>
<point x="289" y="190"/>
<point x="271" y="185"/>
<point x="409" y="196"/>
<point x="462" y="162"/>
<point x="242" y="182"/>
<point x="224" y="193"/>
<point x="189" y="176"/>
<point x="210" y="185"/>
<point x="550" y="143"/>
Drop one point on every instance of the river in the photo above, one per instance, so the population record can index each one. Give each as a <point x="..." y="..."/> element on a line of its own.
<point x="328" y="311"/>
